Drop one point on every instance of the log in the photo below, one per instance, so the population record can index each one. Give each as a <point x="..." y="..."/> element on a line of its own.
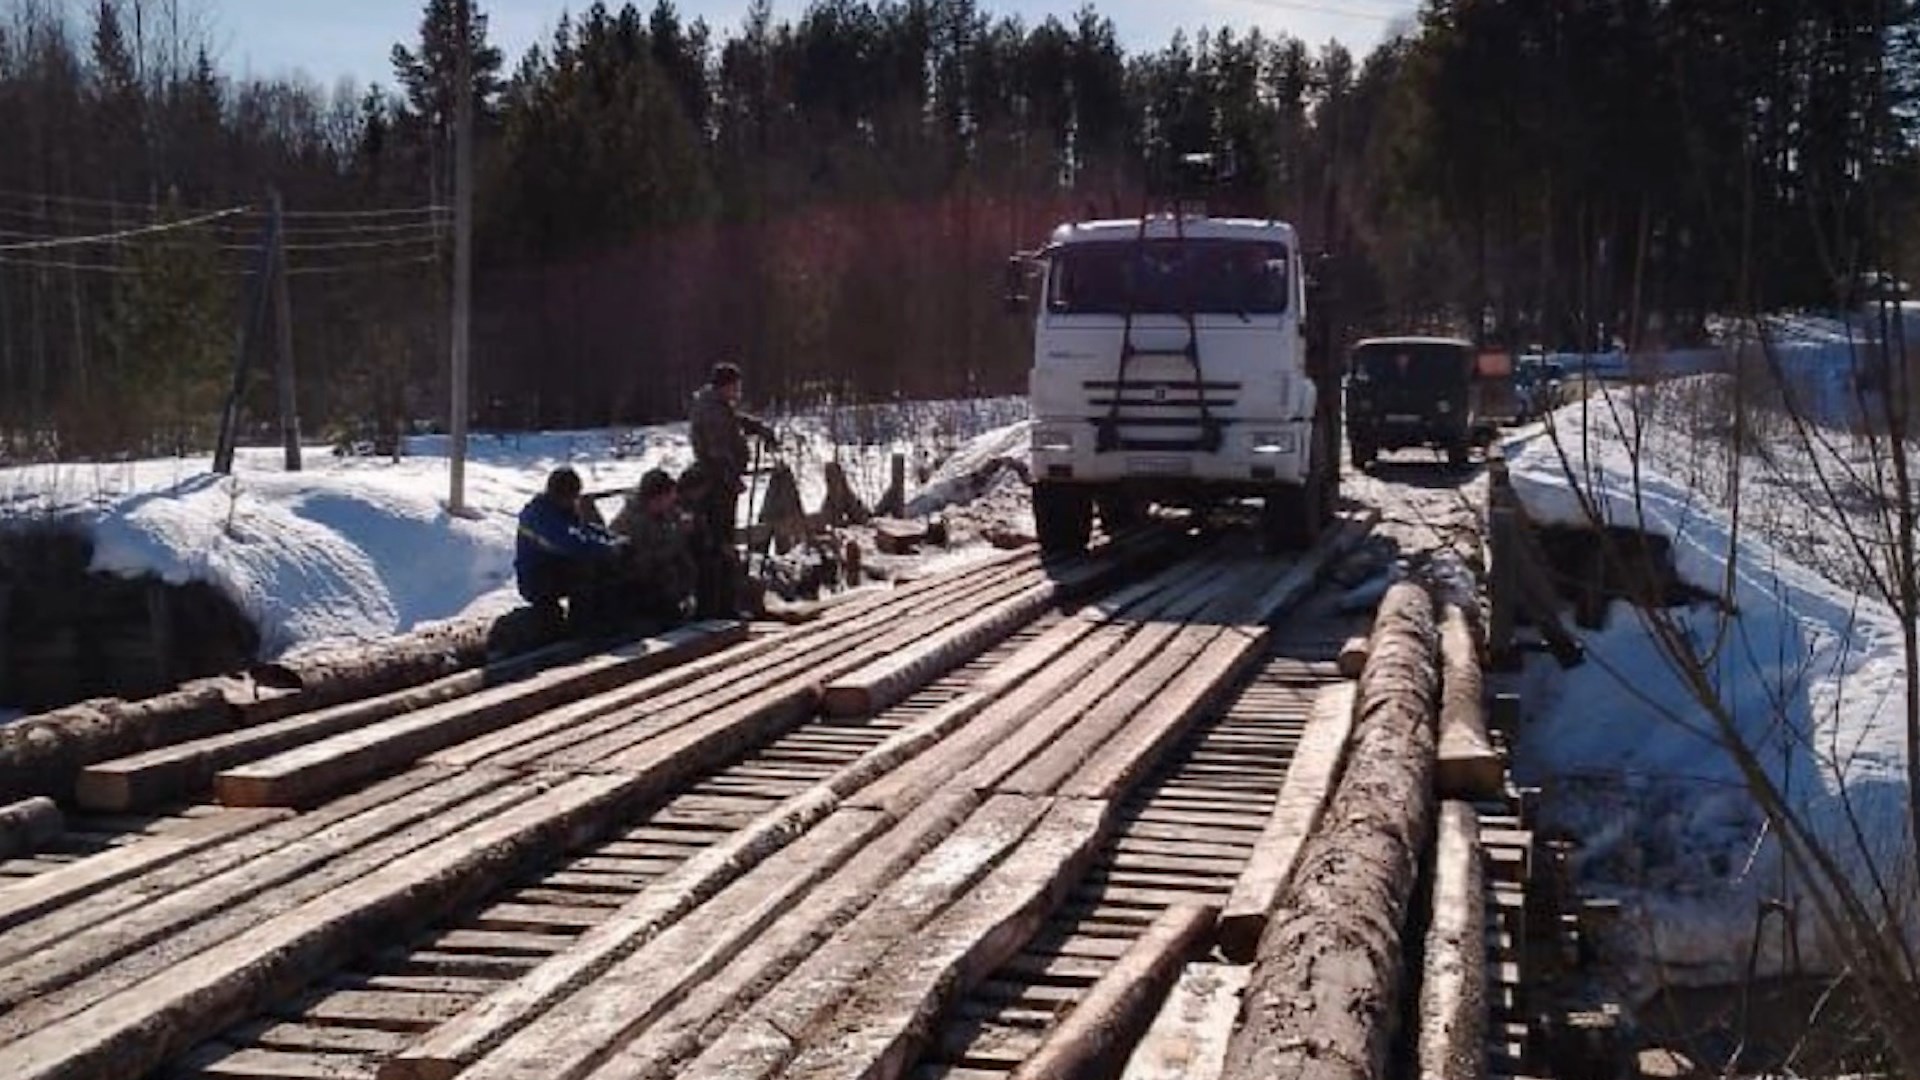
<point x="300" y="776"/>
<point x="764" y="1040"/>
<point x="880" y="1029"/>
<point x="809" y="925"/>
<point x="28" y="824"/>
<point x="895" y="537"/>
<point x="1310" y="781"/>
<point x="44" y="892"/>
<point x="1118" y="1009"/>
<point x="185" y="769"/>
<point x="43" y="754"/>
<point x="1353" y="657"/>
<point x="1188" y="1039"/>
<point x="1453" y="982"/>
<point x="135" y="1030"/>
<point x="1326" y="988"/>
<point x="1469" y="767"/>
<point x="332" y="675"/>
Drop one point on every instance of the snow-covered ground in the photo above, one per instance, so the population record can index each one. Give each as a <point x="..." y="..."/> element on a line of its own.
<point x="1808" y="673"/>
<point x="363" y="547"/>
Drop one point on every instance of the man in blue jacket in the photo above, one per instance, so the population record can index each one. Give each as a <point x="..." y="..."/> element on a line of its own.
<point x="558" y="556"/>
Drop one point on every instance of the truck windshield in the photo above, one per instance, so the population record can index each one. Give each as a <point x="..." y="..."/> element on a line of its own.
<point x="1218" y="277"/>
<point x="1434" y="366"/>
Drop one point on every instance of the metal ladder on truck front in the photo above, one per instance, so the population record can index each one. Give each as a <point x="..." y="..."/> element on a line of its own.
<point x="1107" y="429"/>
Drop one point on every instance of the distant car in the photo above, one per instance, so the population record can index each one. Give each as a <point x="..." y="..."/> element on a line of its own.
<point x="1538" y="380"/>
<point x="1414" y="391"/>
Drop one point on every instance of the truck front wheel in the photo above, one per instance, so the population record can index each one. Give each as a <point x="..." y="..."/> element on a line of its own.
<point x="1063" y="516"/>
<point x="1292" y="517"/>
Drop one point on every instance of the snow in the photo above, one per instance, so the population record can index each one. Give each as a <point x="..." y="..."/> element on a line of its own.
<point x="363" y="548"/>
<point x="1811" y="676"/>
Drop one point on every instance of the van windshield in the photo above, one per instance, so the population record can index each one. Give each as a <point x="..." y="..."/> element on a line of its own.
<point x="1214" y="277"/>
<point x="1425" y="364"/>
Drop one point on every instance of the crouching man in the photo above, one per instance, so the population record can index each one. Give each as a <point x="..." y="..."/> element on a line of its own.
<point x="559" y="556"/>
<point x="659" y="556"/>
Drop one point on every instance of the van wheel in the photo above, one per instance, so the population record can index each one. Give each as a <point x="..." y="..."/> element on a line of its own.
<point x="1364" y="454"/>
<point x="1459" y="454"/>
<point x="1063" y="516"/>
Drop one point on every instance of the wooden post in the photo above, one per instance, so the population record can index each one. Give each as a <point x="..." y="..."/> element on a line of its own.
<point x="894" y="503"/>
<point x="283" y="339"/>
<point x="462" y="258"/>
<point x="1503" y="580"/>
<point x="249" y="327"/>
<point x="160" y="631"/>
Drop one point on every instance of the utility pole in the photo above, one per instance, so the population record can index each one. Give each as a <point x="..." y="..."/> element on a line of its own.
<point x="462" y="252"/>
<point x="283" y="329"/>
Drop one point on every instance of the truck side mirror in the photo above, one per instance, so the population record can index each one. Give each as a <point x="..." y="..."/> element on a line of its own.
<point x="1016" y="299"/>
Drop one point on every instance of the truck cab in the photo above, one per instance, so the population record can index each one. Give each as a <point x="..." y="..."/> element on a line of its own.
<point x="1170" y="367"/>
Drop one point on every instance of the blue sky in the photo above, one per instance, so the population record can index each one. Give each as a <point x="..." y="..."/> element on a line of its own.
<point x="328" y="39"/>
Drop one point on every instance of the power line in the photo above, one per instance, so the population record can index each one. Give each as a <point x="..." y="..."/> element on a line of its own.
<point x="359" y="267"/>
<point x="124" y="234"/>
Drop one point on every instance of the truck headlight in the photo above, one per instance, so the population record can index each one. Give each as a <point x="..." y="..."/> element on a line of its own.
<point x="1052" y="440"/>
<point x="1275" y="442"/>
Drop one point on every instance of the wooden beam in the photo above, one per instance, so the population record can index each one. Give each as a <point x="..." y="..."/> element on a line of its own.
<point x="628" y="969"/>
<point x="135" y="1030"/>
<point x="86" y="967"/>
<point x="879" y="1029"/>
<point x="936" y="852"/>
<point x="42" y="754"/>
<point x="1353" y="657"/>
<point x="23" y="900"/>
<point x="1326" y="989"/>
<point x="185" y="769"/>
<point x="1311" y="779"/>
<point x="27" y="824"/>
<point x="812" y="655"/>
<point x="1469" y="767"/>
<point x="300" y="776"/>
<point x="1188" y="1039"/>
<point x="1299" y="579"/>
<point x="1453" y="982"/>
<point x="1116" y="1012"/>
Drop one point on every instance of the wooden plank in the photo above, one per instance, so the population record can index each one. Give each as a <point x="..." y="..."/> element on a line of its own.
<point x="62" y="922"/>
<point x="65" y="977"/>
<point x="260" y="1064"/>
<point x="1353" y="657"/>
<point x="1469" y="767"/>
<point x="891" y="677"/>
<point x="1148" y="686"/>
<point x="587" y="746"/>
<point x="184" y="769"/>
<point x="1303" y="798"/>
<point x="1188" y="1039"/>
<point x="44" y="892"/>
<point x="385" y="1010"/>
<point x="801" y="965"/>
<point x="1325" y="996"/>
<point x="1298" y="581"/>
<point x="530" y="741"/>
<point x="28" y="824"/>
<point x="1111" y="1017"/>
<point x="908" y="944"/>
<point x="287" y="1035"/>
<point x="1453" y="992"/>
<point x="133" y="1031"/>
<point x="879" y="1030"/>
<point x="561" y="1016"/>
<point x="1153" y="731"/>
<point x="297" y="777"/>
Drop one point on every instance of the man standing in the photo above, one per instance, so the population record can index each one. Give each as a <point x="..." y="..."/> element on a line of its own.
<point x="558" y="556"/>
<point x="719" y="431"/>
<point x="658" y="558"/>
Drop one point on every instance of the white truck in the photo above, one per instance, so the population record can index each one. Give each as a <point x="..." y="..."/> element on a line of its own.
<point x="1170" y="366"/>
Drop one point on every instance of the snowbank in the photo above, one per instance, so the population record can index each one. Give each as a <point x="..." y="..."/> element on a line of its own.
<point x="1811" y="675"/>
<point x="363" y="548"/>
<point x="975" y="468"/>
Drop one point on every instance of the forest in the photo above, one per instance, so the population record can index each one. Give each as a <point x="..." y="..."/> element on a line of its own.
<point x="829" y="199"/>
